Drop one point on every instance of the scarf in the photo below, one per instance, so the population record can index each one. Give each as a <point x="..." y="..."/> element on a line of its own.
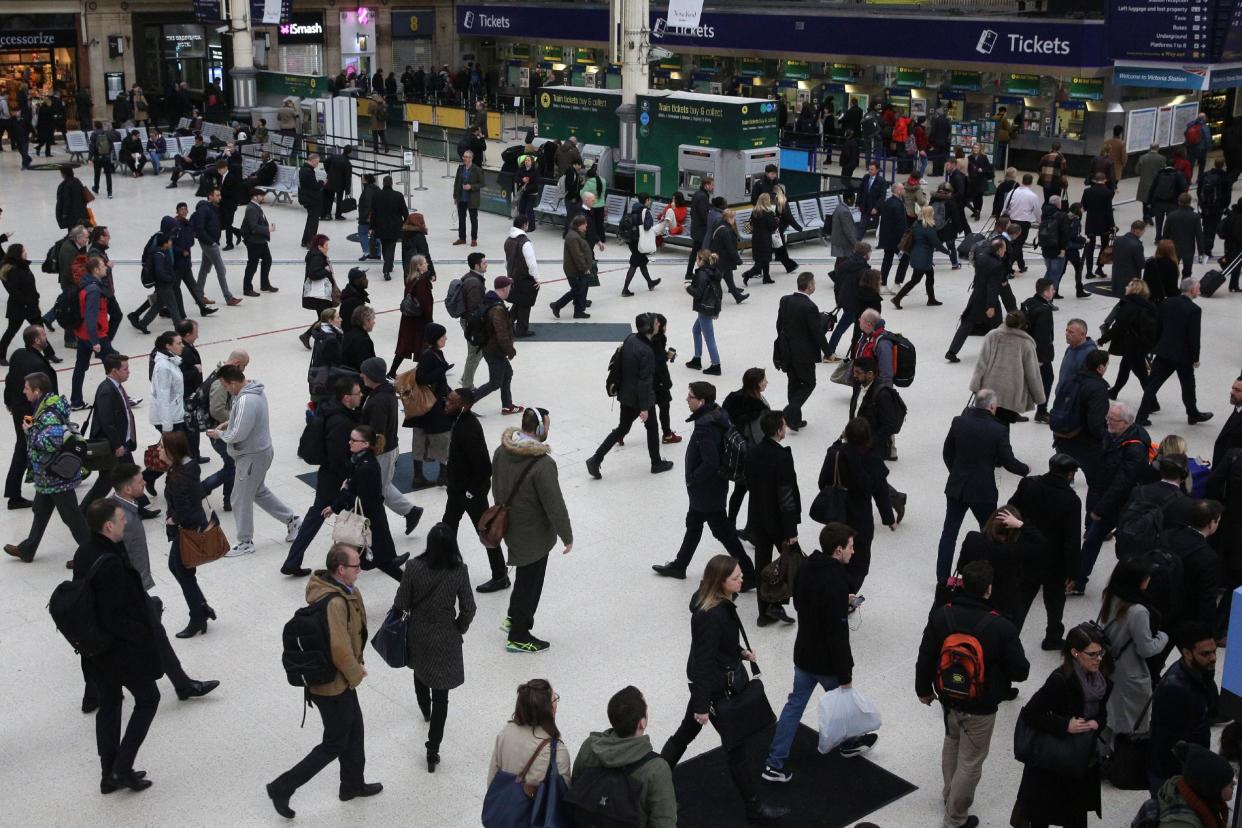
<point x="1094" y="685"/>
<point x="1212" y="816"/>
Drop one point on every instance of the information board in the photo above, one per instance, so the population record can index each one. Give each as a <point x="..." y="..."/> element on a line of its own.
<point x="845" y="72"/>
<point x="1182" y="115"/>
<point x="1175" y="30"/>
<point x="966" y="81"/>
<point x="1022" y="84"/>
<point x="1086" y="89"/>
<point x="909" y="78"/>
<point x="1141" y="129"/>
<point x="1164" y="122"/>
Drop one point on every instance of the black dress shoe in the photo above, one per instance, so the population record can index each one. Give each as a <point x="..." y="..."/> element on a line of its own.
<point x="494" y="585"/>
<point x="197" y="688"/>
<point x="761" y="812"/>
<point x="19" y="503"/>
<point x="55" y="360"/>
<point x="433" y="758"/>
<point x="1199" y="417"/>
<point x="765" y="620"/>
<point x="670" y="570"/>
<point x="145" y="513"/>
<point x="130" y="780"/>
<point x="193" y="629"/>
<point x="367" y="789"/>
<point x="951" y="357"/>
<point x="778" y="614"/>
<point x="297" y="571"/>
<point x="412" y="518"/>
<point x="250" y="293"/>
<point x="90" y="705"/>
<point x="281" y="803"/>
<point x="106" y="786"/>
<point x="400" y="560"/>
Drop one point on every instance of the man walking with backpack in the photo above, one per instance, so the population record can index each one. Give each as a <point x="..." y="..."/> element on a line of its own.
<point x="333" y="678"/>
<point x="101" y="144"/>
<point x="821" y="654"/>
<point x="1054" y="239"/>
<point x="705" y="485"/>
<point x="619" y="766"/>
<point x="1079" y="414"/>
<point x="968" y="657"/>
<point x="88" y="319"/>
<point x="325" y="443"/>
<point x="472" y="288"/>
<point x="491" y="329"/>
<point x="635" y="391"/>
<point x="1198" y="137"/>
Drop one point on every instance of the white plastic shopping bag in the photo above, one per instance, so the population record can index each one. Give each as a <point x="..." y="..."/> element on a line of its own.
<point x="843" y="714"/>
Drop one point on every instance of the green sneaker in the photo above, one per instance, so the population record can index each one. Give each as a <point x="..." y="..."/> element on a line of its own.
<point x="531" y="645"/>
<point x="506" y="624"/>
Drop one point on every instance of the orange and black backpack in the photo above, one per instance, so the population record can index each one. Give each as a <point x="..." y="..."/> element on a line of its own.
<point x="960" y="671"/>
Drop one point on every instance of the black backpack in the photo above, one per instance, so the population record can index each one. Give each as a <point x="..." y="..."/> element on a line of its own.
<point x="905" y="359"/>
<point x="733" y="448"/>
<point x="612" y="381"/>
<point x="627" y="230"/>
<point x="1168" y="576"/>
<point x="477" y="330"/>
<point x="307" y="656"/>
<point x="311" y="446"/>
<point x="1164" y="188"/>
<point x="1049" y="238"/>
<point x="1142" y="520"/>
<point x="51" y="262"/>
<point x="607" y="797"/>
<point x="147" y="274"/>
<point x="198" y="406"/>
<point x="68" y="311"/>
<point x="72" y="606"/>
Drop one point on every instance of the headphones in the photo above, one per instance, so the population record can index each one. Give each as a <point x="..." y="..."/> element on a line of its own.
<point x="541" y="430"/>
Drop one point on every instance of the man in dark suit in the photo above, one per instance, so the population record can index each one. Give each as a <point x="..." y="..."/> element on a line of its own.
<point x="233" y="194"/>
<point x="1048" y="503"/>
<point x="113" y="420"/>
<point x="310" y="196"/>
<point x="1230" y="436"/>
<point x="23" y="362"/>
<point x="977" y="443"/>
<point x="636" y="394"/>
<point x="132" y="661"/>
<point x="388" y="213"/>
<point x="775" y="506"/>
<point x="871" y="192"/>
<point x="801" y="344"/>
<point x="893" y="225"/>
<point x="339" y="184"/>
<point x="983" y="306"/>
<point x="1177" y="351"/>
<point x="1128" y="258"/>
<point x="700" y="204"/>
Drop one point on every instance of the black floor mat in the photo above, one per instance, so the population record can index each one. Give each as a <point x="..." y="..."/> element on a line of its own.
<point x="577" y="331"/>
<point x="402" y="476"/>
<point x="825" y="792"/>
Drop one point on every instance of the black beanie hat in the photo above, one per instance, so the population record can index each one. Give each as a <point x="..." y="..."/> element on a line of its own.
<point x="1205" y="773"/>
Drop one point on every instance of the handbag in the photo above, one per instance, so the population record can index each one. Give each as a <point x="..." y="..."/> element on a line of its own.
<point x="353" y="527"/>
<point x="776" y="579"/>
<point x="1067" y="754"/>
<point x="1105" y="256"/>
<point x="832" y="503"/>
<point x="843" y="374"/>
<point x="416" y="399"/>
<point x="348" y="204"/>
<point x="906" y="244"/>
<point x="494" y="522"/>
<point x="391" y="641"/>
<point x="1126" y="766"/>
<point x="742" y="713"/>
<point x="201" y="547"/>
<point x="87" y="195"/>
<point x="411" y="307"/>
<point x="777" y="241"/>
<point x="511" y="803"/>
<point x="90" y="217"/>
<point x="152" y="460"/>
<point x="99" y="454"/>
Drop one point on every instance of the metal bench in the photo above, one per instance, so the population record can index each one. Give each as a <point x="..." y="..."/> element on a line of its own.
<point x="549" y="204"/>
<point x="808" y="214"/>
<point x="76" y="145"/>
<point x="286" y="185"/>
<point x="616" y="205"/>
<point x="184" y="123"/>
<point x="249" y="166"/>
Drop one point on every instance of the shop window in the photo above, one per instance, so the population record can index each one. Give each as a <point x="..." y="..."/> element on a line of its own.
<point x="301" y="59"/>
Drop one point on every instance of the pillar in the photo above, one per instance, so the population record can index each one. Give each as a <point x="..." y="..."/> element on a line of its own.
<point x="243" y="75"/>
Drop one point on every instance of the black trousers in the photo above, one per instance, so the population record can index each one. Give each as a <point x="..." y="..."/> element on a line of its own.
<point x="799" y="392"/>
<point x="521" y="317"/>
<point x="105" y="166"/>
<point x="168" y="657"/>
<point x="722" y="530"/>
<point x="1020" y="243"/>
<point x="464" y="208"/>
<point x="435" y="701"/>
<point x="1054" y="604"/>
<point x="739" y="768"/>
<point x="388" y="248"/>
<point x="311" y="228"/>
<point x="183" y="268"/>
<point x="227" y="212"/>
<point x="342" y="740"/>
<point x="628" y="416"/>
<point x="460" y="503"/>
<point x="258" y="254"/>
<point x="764" y="548"/>
<point x="524" y="598"/>
<point x="1130" y="364"/>
<point x="695" y="247"/>
<point x="1161" y="370"/>
<point x="117" y="752"/>
<point x="17" y="466"/>
<point x="859" y="565"/>
<point x="887" y="265"/>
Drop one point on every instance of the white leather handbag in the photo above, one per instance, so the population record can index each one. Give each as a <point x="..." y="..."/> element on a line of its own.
<point x="352" y="527"/>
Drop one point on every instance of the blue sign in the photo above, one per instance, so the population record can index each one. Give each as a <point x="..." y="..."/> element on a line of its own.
<point x="1068" y="43"/>
<point x="1226" y="78"/>
<point x="1157" y="77"/>
<point x="1173" y="30"/>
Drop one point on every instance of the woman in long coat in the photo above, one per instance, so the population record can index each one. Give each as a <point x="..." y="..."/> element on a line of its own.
<point x="414" y="241"/>
<point x="763" y="223"/>
<point x="435" y="591"/>
<point x="365" y="485"/>
<point x="23" y="303"/>
<point x="1132" y="334"/>
<point x="1008" y="365"/>
<point x="319" y="290"/>
<point x="411" y="338"/>
<point x="1128" y="624"/>
<point x="1073" y="703"/>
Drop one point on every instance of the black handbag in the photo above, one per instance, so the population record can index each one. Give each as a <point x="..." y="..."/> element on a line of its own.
<point x="1066" y="754"/>
<point x="410" y="306"/>
<point x="99" y="454"/>
<point x="348" y="204"/>
<point x="1126" y="766"/>
<point x="832" y="502"/>
<point x="742" y="713"/>
<point x="391" y="639"/>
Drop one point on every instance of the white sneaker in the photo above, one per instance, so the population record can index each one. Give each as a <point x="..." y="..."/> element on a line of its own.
<point x="239" y="549"/>
<point x="294" y="525"/>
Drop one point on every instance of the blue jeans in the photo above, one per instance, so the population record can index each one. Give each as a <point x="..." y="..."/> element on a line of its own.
<point x="1097" y="531"/>
<point x="1056" y="269"/>
<point x="187" y="579"/>
<point x="954" y="512"/>
<point x="703" y="330"/>
<point x="364" y="237"/>
<point x="83" y="362"/>
<point x="787" y="725"/>
<point x="224" y="477"/>
<point x="847" y="318"/>
<point x="156" y="158"/>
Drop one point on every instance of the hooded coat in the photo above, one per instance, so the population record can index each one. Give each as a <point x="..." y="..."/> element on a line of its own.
<point x="538" y="515"/>
<point x="657" y="801"/>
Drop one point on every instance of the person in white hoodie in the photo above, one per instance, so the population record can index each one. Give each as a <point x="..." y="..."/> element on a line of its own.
<point x="249" y="440"/>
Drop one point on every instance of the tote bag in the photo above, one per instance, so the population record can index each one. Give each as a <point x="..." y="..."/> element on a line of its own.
<point x="201" y="547"/>
<point x="511" y="803"/>
<point x="391" y="640"/>
<point x="832" y="502"/>
<point x="1066" y="754"/>
<point x="743" y="712"/>
<point x="353" y="527"/>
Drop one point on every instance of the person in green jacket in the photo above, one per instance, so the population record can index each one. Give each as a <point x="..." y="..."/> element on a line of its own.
<point x="1200" y="797"/>
<point x="627" y="743"/>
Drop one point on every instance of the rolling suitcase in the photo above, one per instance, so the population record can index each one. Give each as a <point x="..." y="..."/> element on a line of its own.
<point x="1213" y="280"/>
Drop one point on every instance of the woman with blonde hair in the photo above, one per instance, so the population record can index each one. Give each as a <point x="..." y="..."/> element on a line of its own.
<point x="716" y="657"/>
<point x="764" y="224"/>
<point x="926" y="242"/>
<point x="416" y="312"/>
<point x="1163" y="271"/>
<point x="1130" y="333"/>
<point x="724" y="244"/>
<point x="780" y="203"/>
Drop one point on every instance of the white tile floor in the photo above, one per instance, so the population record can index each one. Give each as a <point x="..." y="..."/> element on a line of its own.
<point x="610" y="620"/>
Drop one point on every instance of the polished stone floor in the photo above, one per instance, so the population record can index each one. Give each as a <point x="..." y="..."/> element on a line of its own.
<point x="610" y="620"/>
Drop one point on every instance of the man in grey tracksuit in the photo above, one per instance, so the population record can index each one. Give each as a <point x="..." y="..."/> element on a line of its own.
<point x="249" y="440"/>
